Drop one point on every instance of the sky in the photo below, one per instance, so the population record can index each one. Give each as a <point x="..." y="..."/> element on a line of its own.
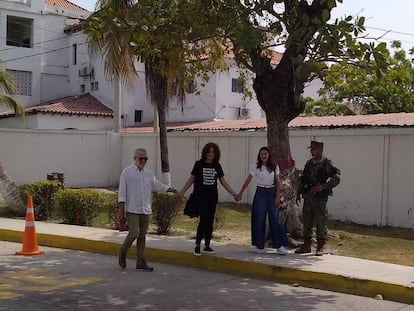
<point x="390" y="20"/>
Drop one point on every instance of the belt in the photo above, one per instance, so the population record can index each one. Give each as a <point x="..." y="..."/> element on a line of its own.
<point x="265" y="186"/>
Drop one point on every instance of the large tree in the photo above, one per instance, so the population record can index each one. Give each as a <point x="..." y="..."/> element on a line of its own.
<point x="172" y="37"/>
<point x="310" y="40"/>
<point x="167" y="35"/>
<point x="8" y="188"/>
<point x="303" y="29"/>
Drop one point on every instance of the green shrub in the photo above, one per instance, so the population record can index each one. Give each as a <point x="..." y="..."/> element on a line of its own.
<point x="111" y="206"/>
<point x="79" y="206"/>
<point x="165" y="207"/>
<point x="43" y="193"/>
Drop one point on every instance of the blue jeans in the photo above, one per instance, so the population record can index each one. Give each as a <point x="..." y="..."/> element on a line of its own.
<point x="264" y="205"/>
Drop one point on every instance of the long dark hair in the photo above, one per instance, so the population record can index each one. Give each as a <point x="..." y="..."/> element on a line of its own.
<point x="207" y="148"/>
<point x="269" y="163"/>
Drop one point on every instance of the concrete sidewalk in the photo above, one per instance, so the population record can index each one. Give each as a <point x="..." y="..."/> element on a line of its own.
<point x="329" y="272"/>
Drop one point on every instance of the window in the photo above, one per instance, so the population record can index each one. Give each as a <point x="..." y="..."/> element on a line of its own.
<point x="19" y="31"/>
<point x="94" y="86"/>
<point x="22" y="80"/>
<point x="138" y="116"/>
<point x="75" y="53"/>
<point x="82" y="88"/>
<point x="237" y="86"/>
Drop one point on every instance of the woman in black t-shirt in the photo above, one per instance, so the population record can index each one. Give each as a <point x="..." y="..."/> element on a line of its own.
<point x="204" y="176"/>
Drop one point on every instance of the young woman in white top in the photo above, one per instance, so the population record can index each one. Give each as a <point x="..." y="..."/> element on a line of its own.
<point x="265" y="203"/>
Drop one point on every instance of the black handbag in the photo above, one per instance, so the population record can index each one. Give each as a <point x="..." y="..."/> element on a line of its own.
<point x="191" y="207"/>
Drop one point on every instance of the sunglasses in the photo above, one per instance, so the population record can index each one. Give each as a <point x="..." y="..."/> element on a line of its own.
<point x="141" y="159"/>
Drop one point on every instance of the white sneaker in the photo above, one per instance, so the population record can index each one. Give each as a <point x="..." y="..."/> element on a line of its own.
<point x="282" y="251"/>
<point x="260" y="251"/>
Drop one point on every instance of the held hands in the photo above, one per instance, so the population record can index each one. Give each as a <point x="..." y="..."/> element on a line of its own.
<point x="238" y="197"/>
<point x="179" y="195"/>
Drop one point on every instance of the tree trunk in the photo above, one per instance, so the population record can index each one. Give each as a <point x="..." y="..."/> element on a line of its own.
<point x="10" y="193"/>
<point x="278" y="141"/>
<point x="279" y="96"/>
<point x="157" y="86"/>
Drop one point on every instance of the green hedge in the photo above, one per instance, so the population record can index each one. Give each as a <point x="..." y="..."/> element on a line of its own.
<point x="165" y="207"/>
<point x="43" y="193"/>
<point x="79" y="206"/>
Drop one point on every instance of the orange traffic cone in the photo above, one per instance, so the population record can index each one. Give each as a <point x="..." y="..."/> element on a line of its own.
<point x="30" y="246"/>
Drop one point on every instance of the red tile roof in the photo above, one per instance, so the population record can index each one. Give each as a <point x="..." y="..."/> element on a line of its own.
<point x="374" y="120"/>
<point x="73" y="105"/>
<point x="64" y="4"/>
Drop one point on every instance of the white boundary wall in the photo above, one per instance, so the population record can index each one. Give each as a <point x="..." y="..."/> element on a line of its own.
<point x="377" y="165"/>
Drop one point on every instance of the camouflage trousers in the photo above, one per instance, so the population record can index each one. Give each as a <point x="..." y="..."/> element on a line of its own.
<point x="315" y="213"/>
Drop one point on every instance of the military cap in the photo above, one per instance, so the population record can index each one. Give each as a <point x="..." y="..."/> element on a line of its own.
<point x="316" y="145"/>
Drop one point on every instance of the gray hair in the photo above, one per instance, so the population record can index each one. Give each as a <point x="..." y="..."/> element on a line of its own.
<point x="139" y="150"/>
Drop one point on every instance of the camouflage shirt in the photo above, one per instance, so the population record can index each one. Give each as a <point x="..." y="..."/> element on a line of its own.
<point x="322" y="173"/>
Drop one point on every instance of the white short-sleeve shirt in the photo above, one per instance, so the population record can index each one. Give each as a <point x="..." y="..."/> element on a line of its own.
<point x="263" y="176"/>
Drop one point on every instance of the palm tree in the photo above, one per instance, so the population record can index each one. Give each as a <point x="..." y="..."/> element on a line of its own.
<point x="106" y="36"/>
<point x="126" y="32"/>
<point x="8" y="189"/>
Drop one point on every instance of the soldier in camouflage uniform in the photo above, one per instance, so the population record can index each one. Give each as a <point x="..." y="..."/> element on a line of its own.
<point x="318" y="178"/>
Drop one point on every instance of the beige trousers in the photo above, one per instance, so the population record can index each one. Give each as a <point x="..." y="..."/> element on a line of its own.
<point x="137" y="229"/>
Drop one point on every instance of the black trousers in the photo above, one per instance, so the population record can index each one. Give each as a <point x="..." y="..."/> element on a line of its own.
<point x="205" y="224"/>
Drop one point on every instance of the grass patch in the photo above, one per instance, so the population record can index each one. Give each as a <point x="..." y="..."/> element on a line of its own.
<point x="387" y="244"/>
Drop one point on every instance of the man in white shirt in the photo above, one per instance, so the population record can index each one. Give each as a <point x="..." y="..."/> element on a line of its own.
<point x="136" y="185"/>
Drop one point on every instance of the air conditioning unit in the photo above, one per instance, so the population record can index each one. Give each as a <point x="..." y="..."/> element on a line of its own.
<point x="244" y="112"/>
<point x="83" y="72"/>
<point x="86" y="71"/>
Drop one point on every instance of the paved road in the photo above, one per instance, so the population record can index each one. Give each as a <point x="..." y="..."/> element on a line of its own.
<point x="73" y="280"/>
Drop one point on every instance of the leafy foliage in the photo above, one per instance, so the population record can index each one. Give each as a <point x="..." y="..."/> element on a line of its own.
<point x="165" y="207"/>
<point x="43" y="193"/>
<point x="79" y="206"/>
<point x="180" y="40"/>
<point x="326" y="107"/>
<point x="7" y="93"/>
<point x="374" y="89"/>
<point x="169" y="35"/>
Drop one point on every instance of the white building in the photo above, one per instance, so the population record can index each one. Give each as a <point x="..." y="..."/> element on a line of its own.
<point x="43" y="48"/>
<point x="35" y="49"/>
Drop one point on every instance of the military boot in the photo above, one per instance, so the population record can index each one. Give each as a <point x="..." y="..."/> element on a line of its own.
<point x="304" y="248"/>
<point x="319" y="248"/>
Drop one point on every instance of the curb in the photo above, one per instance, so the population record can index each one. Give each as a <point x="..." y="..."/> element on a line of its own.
<point x="296" y="277"/>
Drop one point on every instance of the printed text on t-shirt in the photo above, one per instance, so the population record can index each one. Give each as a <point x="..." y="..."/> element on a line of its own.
<point x="209" y="175"/>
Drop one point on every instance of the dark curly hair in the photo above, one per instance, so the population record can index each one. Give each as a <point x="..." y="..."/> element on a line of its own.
<point x="269" y="164"/>
<point x="207" y="148"/>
